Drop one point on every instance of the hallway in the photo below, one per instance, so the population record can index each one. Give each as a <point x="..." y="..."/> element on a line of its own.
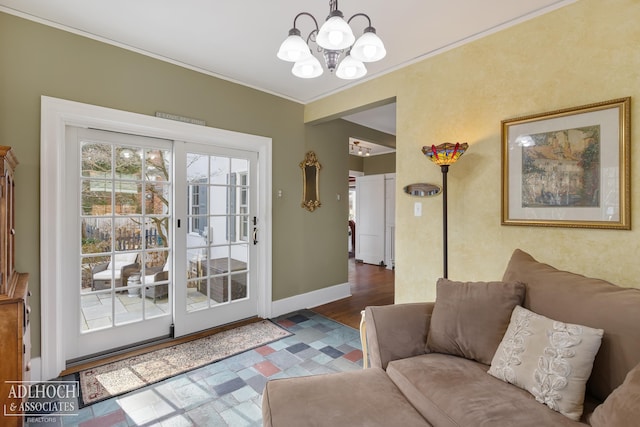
<point x="370" y="285"/>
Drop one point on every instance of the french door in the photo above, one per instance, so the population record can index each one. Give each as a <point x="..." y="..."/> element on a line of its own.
<point x="162" y="237"/>
<point x="216" y="236"/>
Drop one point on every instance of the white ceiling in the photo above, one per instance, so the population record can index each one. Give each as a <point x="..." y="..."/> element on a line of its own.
<point x="237" y="40"/>
<point x="382" y="118"/>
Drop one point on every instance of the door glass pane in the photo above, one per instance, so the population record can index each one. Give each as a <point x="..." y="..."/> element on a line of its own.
<point x="96" y="197"/>
<point x="96" y="160"/>
<point x="218" y="216"/>
<point x="197" y="168"/>
<point x="125" y="216"/>
<point x="96" y="311"/>
<point x="128" y="163"/>
<point x="155" y="283"/>
<point x="96" y="235"/>
<point x="219" y="170"/>
<point x="128" y="197"/>
<point x="219" y="199"/>
<point x="239" y="286"/>
<point x="156" y="198"/>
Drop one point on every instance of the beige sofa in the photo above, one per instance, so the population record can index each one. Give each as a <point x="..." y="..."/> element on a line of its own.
<point x="460" y="362"/>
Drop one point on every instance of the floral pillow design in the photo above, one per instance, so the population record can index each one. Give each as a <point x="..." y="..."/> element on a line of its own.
<point x="551" y="360"/>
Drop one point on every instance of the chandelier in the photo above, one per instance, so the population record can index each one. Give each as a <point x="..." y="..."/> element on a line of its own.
<point x="333" y="38"/>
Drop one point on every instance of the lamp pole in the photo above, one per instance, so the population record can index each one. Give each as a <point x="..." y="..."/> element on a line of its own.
<point x="444" y="169"/>
<point x="444" y="155"/>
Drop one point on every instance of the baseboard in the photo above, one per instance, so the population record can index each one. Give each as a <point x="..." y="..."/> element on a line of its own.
<point x="310" y="299"/>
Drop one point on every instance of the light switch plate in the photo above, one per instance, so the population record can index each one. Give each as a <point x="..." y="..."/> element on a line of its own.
<point x="417" y="209"/>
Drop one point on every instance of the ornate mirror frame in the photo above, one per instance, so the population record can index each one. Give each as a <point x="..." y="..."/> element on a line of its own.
<point x="310" y="177"/>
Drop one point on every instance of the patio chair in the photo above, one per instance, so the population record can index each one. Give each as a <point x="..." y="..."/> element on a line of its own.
<point x="121" y="266"/>
<point x="157" y="274"/>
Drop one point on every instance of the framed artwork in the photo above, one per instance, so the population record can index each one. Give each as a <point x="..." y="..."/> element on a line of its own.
<point x="568" y="168"/>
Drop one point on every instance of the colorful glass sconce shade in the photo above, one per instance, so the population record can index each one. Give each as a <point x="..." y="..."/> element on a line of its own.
<point x="444" y="155"/>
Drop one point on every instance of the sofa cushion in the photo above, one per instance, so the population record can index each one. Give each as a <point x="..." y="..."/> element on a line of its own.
<point x="453" y="391"/>
<point x="470" y="318"/>
<point x="573" y="298"/>
<point x="622" y="408"/>
<point x="358" y="398"/>
<point x="552" y="360"/>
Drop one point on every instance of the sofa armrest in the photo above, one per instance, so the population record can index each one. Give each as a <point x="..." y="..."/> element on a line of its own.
<point x="396" y="331"/>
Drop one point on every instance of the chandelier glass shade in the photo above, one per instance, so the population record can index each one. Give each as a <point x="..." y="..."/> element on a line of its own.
<point x="294" y="49"/>
<point x="308" y="68"/>
<point x="335" y="33"/>
<point x="332" y="39"/>
<point x="350" y="68"/>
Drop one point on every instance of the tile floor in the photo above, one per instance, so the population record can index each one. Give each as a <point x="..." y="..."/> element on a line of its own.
<point x="228" y="392"/>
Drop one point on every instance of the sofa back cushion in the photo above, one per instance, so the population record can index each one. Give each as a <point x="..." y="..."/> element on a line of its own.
<point x="573" y="298"/>
<point x="470" y="318"/>
<point x="621" y="408"/>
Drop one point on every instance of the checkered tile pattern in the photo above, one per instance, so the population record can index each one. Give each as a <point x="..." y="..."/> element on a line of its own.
<point x="229" y="392"/>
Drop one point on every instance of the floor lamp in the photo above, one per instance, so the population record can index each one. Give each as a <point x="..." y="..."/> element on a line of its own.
<point x="444" y="155"/>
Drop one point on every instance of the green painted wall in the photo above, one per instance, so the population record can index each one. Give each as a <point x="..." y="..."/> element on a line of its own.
<point x="383" y="163"/>
<point x="325" y="230"/>
<point x="356" y="163"/>
<point x="309" y="249"/>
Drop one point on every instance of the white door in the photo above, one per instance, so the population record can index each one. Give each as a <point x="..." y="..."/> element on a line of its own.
<point x="116" y="271"/>
<point x="390" y="221"/>
<point x="216" y="237"/>
<point x="370" y="219"/>
<point x="165" y="234"/>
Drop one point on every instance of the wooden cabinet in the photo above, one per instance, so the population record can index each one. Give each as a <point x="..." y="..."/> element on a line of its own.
<point x="15" y="342"/>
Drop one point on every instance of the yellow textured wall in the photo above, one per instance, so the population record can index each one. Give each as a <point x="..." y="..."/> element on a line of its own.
<point x="583" y="53"/>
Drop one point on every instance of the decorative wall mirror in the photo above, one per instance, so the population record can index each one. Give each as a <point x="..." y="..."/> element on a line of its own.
<point x="422" y="189"/>
<point x="310" y="177"/>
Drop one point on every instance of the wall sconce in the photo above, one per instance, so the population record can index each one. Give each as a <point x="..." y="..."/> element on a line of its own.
<point x="422" y="189"/>
<point x="444" y="155"/>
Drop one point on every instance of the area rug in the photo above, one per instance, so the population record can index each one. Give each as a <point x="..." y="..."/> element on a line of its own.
<point x="116" y="378"/>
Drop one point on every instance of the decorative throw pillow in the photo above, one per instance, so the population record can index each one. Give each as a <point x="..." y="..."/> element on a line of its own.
<point x="621" y="408"/>
<point x="551" y="360"/>
<point x="470" y="318"/>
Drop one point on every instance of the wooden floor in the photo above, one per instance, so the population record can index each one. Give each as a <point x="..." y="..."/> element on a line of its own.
<point x="370" y="285"/>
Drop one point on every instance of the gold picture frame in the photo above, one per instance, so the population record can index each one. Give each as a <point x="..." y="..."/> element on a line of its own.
<point x="568" y="168"/>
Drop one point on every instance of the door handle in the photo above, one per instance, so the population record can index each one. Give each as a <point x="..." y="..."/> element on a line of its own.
<point x="255" y="235"/>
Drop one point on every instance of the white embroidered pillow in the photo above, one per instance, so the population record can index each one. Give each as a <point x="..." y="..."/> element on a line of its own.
<point x="551" y="360"/>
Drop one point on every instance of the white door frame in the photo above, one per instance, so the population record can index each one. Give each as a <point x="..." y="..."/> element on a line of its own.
<point x="56" y="114"/>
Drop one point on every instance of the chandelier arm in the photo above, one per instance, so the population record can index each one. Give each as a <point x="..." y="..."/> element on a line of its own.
<point x="360" y="14"/>
<point x="312" y="37"/>
<point x="310" y="16"/>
